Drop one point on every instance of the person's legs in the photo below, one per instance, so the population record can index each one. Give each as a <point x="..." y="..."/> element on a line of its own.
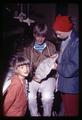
<point x="47" y="90"/>
<point x="71" y="104"/>
<point x="32" y="98"/>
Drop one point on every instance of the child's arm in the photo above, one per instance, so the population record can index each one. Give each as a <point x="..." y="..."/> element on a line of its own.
<point x="10" y="97"/>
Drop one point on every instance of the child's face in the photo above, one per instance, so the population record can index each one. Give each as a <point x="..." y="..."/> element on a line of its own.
<point x="62" y="35"/>
<point x="39" y="39"/>
<point x="23" y="70"/>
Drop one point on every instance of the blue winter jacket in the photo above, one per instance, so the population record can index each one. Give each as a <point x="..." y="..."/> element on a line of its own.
<point x="68" y="69"/>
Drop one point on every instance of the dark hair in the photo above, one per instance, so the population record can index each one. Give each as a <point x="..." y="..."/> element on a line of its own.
<point x="18" y="61"/>
<point x="40" y="29"/>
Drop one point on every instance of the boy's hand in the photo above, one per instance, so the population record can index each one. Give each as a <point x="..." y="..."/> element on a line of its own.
<point x="55" y="66"/>
<point x="36" y="79"/>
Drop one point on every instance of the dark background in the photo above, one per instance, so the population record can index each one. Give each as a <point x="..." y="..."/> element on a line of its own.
<point x="15" y="34"/>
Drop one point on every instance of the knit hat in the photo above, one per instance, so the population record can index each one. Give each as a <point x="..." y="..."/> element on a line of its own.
<point x="62" y="23"/>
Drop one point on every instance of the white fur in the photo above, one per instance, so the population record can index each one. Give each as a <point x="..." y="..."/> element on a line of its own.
<point x="45" y="67"/>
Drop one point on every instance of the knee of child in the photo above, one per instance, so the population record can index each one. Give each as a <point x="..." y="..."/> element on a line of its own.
<point x="47" y="96"/>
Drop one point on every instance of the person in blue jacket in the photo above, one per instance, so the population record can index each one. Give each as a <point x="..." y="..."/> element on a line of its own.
<point x="68" y="64"/>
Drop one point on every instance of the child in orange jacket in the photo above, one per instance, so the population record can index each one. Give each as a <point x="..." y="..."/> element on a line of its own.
<point x="15" y="102"/>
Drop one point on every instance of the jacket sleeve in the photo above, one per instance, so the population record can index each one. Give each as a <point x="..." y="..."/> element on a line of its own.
<point x="10" y="97"/>
<point x="70" y="67"/>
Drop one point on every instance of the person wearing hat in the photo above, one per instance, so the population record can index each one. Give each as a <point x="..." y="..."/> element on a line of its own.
<point x="68" y="64"/>
<point x="15" y="89"/>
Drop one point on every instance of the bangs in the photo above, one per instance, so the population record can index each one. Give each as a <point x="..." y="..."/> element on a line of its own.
<point x="19" y="61"/>
<point x="22" y="63"/>
<point x="40" y="34"/>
